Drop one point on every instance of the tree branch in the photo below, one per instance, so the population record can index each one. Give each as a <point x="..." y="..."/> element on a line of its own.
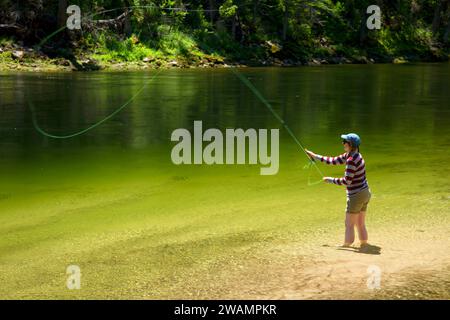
<point x="123" y="15"/>
<point x="12" y="26"/>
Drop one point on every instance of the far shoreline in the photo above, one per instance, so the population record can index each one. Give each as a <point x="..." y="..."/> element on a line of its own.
<point x="58" y="66"/>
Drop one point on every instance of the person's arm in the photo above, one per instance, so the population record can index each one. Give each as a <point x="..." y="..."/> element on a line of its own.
<point x="350" y="169"/>
<point x="328" y="160"/>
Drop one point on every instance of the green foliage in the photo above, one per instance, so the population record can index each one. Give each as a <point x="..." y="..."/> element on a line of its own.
<point x="173" y="44"/>
<point x="4" y="41"/>
<point x="5" y="57"/>
<point x="336" y="27"/>
<point x="302" y="28"/>
<point x="228" y="9"/>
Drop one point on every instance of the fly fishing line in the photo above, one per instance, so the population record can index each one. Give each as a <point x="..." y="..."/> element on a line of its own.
<point x="123" y="106"/>
<point x="241" y="77"/>
<point x="95" y="125"/>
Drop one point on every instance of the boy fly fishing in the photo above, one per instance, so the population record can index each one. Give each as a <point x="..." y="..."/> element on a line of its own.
<point x="358" y="192"/>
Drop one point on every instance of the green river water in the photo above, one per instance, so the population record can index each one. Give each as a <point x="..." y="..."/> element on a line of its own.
<point x="112" y="201"/>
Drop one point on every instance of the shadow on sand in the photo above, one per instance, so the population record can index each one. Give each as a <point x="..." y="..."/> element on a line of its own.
<point x="366" y="249"/>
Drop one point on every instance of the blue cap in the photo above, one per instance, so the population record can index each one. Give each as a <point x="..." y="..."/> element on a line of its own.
<point x="353" y="138"/>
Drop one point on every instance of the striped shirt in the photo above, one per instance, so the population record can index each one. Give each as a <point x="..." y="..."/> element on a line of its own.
<point x="355" y="171"/>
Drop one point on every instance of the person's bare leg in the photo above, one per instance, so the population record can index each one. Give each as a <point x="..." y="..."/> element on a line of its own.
<point x="350" y="222"/>
<point x="361" y="226"/>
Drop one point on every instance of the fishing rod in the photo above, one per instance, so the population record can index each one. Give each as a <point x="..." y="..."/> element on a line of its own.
<point x="255" y="91"/>
<point x="258" y="94"/>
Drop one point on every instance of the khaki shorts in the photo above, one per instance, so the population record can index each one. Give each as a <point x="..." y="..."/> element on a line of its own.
<point x="358" y="202"/>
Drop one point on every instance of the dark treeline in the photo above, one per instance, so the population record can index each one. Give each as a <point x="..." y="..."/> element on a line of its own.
<point x="241" y="30"/>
